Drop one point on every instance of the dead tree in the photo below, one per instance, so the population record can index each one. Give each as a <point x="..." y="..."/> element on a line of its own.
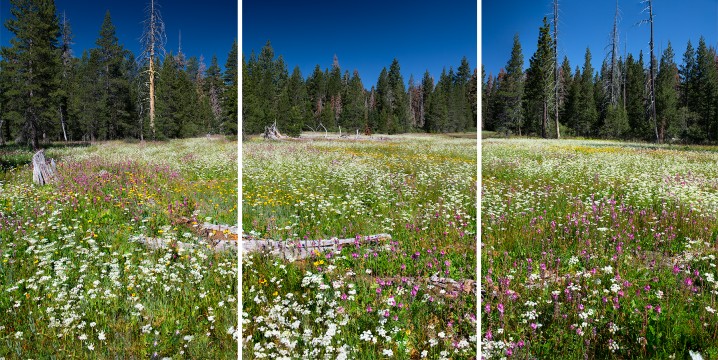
<point x="66" y="63"/>
<point x="272" y="133"/>
<point x="652" y="71"/>
<point x="316" y="129"/>
<point x="615" y="73"/>
<point x="555" y="65"/>
<point x="153" y="41"/>
<point x="42" y="172"/>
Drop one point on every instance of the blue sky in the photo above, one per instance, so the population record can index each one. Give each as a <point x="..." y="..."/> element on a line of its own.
<point x="208" y="27"/>
<point x="589" y="23"/>
<point x="365" y="35"/>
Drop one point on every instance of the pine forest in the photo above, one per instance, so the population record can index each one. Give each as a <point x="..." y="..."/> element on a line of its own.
<point x="332" y="99"/>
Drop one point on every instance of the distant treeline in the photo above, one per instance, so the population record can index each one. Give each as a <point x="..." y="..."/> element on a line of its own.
<point x="329" y="99"/>
<point x="47" y="94"/>
<point x="613" y="102"/>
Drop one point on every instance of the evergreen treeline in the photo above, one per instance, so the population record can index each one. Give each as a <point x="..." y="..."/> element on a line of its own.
<point x="611" y="102"/>
<point x="47" y="94"/>
<point x="329" y="99"/>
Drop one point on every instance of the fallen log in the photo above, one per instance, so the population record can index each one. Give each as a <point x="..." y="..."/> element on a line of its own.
<point x="163" y="243"/>
<point x="301" y="249"/>
<point x="218" y="238"/>
<point x="42" y="172"/>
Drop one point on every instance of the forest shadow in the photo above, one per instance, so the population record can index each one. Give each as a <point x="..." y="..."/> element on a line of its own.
<point x="14" y="155"/>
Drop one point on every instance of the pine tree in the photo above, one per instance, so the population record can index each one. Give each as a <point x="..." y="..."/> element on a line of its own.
<point x="413" y="102"/>
<point x="353" y="116"/>
<point x="462" y="84"/>
<point x="176" y="103"/>
<point x="688" y="78"/>
<point x="399" y="105"/>
<point x="372" y="113"/>
<point x="635" y="99"/>
<point x="485" y="96"/>
<point x="473" y="97"/>
<point x="667" y="97"/>
<point x="292" y="105"/>
<point x="252" y="112"/>
<point x="689" y="98"/>
<point x="115" y="102"/>
<point x="440" y="103"/>
<point x="572" y="107"/>
<point x="707" y="89"/>
<point x="316" y="92"/>
<point x="602" y="94"/>
<point x="540" y="83"/>
<point x="511" y="92"/>
<point x="334" y="93"/>
<point x="192" y="68"/>
<point x="32" y="65"/>
<point x="265" y="86"/>
<point x="214" y="88"/>
<point x="427" y="88"/>
<point x="587" y="114"/>
<point x="564" y="86"/>
<point x="383" y="103"/>
<point x="231" y="87"/>
<point x="87" y="107"/>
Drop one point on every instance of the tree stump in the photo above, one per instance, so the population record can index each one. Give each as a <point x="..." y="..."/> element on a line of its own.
<point x="42" y="172"/>
<point x="272" y="133"/>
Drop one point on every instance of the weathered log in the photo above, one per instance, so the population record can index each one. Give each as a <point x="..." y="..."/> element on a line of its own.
<point x="218" y="243"/>
<point x="42" y="172"/>
<point x="160" y="243"/>
<point x="300" y="249"/>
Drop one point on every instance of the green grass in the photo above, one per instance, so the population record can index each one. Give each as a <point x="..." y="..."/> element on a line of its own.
<point x="74" y="283"/>
<point x="364" y="301"/>
<point x="598" y="249"/>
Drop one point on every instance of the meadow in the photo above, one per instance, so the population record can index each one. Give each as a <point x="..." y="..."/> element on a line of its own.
<point x="598" y="249"/>
<point x="76" y="283"/>
<point x="363" y="301"/>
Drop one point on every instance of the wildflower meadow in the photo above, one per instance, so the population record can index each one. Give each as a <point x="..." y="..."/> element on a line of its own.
<point x="74" y="281"/>
<point x="597" y="249"/>
<point x="409" y="297"/>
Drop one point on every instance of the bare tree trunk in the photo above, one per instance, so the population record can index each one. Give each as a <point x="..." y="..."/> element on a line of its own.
<point x="152" y="96"/>
<point x="555" y="63"/>
<point x="153" y="40"/>
<point x="652" y="80"/>
<point x="141" y="115"/>
<point x="659" y="137"/>
<point x="544" y="122"/>
<point x="62" y="123"/>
